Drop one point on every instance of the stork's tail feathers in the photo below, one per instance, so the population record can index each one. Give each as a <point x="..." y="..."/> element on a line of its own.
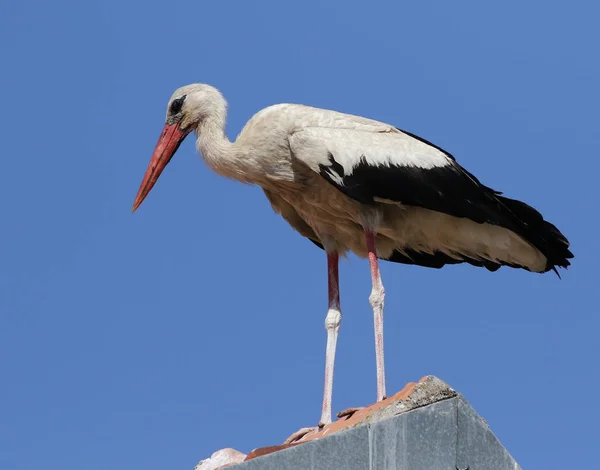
<point x="516" y="216"/>
<point x="541" y="234"/>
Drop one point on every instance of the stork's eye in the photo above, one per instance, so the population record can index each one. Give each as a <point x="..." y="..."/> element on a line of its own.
<point x="176" y="105"/>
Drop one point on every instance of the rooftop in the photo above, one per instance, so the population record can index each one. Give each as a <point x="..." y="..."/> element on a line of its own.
<point x="425" y="426"/>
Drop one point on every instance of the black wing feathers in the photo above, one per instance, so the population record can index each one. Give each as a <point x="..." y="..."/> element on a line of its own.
<point x="452" y="190"/>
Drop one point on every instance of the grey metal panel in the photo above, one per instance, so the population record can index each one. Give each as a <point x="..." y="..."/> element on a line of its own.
<point x="423" y="439"/>
<point x="478" y="448"/>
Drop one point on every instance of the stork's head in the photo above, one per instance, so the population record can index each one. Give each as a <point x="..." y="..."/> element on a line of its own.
<point x="188" y="108"/>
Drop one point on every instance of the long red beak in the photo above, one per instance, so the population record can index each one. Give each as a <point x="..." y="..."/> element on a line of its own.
<point x="168" y="143"/>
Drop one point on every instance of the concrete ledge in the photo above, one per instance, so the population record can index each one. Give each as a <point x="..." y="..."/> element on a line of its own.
<point x="431" y="427"/>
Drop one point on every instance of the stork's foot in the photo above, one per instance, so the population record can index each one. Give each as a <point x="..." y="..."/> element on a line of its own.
<point x="348" y="412"/>
<point x="300" y="434"/>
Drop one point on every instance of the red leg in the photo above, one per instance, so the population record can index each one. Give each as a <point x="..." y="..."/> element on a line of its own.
<point x="377" y="299"/>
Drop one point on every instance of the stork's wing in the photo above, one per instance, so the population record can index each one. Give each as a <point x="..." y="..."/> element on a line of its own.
<point x="390" y="166"/>
<point x="398" y="167"/>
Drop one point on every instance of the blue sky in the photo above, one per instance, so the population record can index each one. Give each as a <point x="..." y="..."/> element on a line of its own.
<point x="151" y="340"/>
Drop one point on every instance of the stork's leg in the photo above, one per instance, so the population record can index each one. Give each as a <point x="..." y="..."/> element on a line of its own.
<point x="376" y="299"/>
<point x="332" y="325"/>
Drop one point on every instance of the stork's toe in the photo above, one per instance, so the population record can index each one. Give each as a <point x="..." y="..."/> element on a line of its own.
<point x="300" y="434"/>
<point x="348" y="412"/>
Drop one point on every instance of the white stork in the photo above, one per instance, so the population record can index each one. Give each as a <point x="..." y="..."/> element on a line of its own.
<point x="348" y="183"/>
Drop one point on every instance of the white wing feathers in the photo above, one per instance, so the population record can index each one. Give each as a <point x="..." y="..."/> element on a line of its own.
<point x="314" y="145"/>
